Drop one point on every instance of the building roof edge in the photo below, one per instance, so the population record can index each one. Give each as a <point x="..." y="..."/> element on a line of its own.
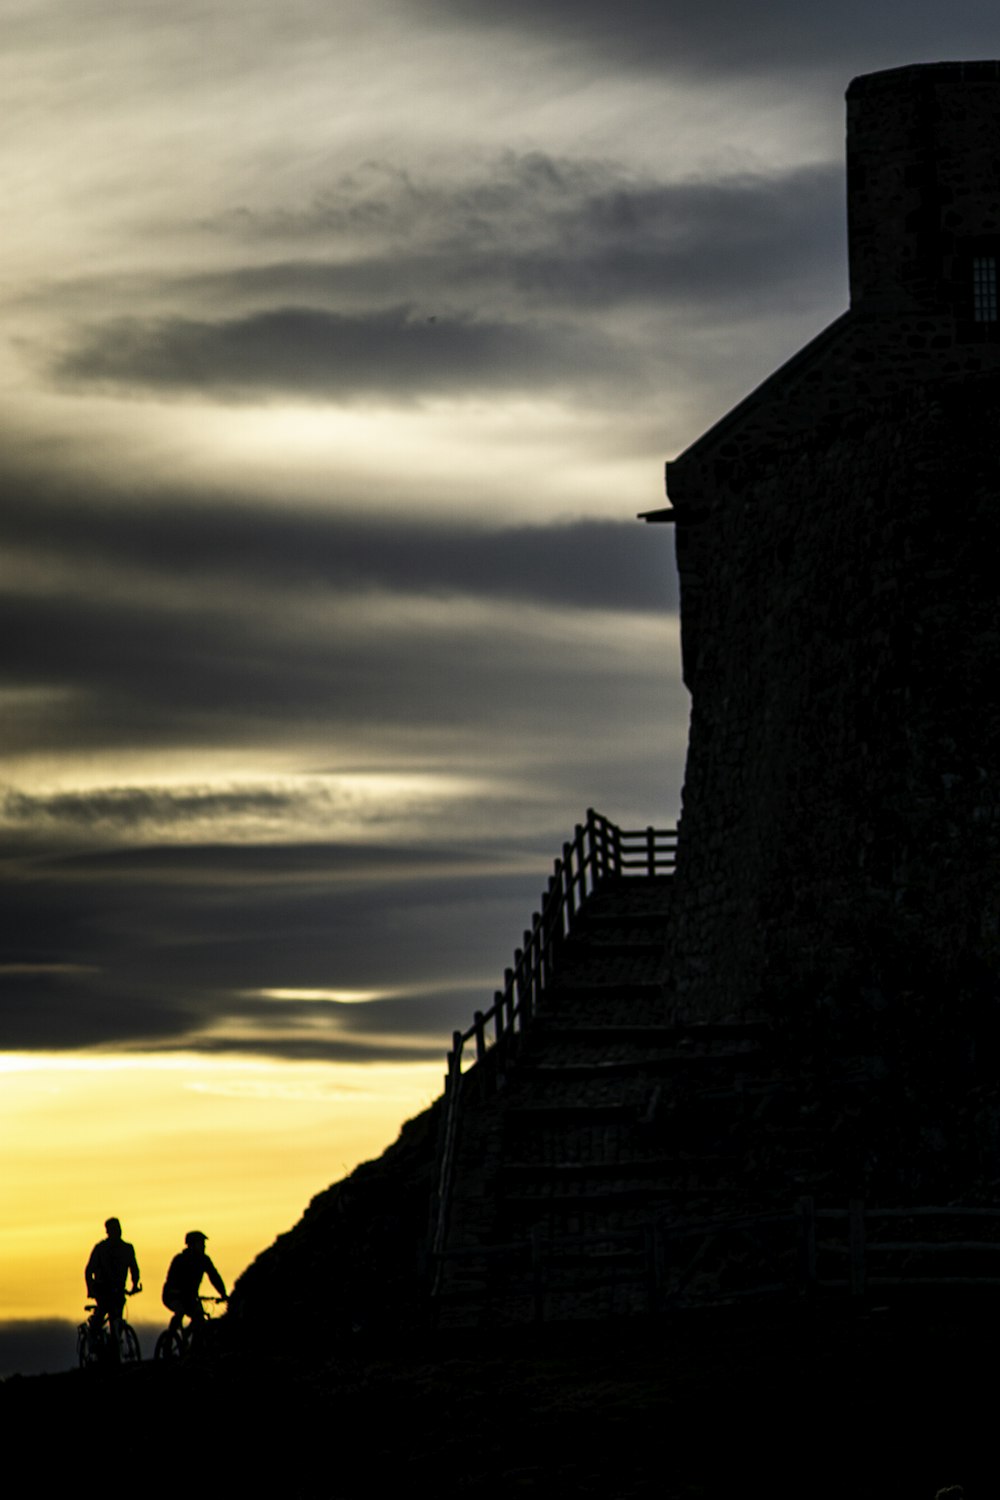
<point x="769" y="389"/>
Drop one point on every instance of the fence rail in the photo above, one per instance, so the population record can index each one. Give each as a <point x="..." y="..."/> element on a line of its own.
<point x="598" y="851"/>
<point x="657" y="1265"/>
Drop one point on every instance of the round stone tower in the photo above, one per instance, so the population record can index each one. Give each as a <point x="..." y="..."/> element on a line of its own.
<point x="923" y="189"/>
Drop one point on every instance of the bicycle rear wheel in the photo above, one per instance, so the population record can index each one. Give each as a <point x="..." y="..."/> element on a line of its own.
<point x="128" y="1344"/>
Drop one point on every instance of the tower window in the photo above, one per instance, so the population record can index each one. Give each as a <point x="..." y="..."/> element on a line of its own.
<point x="984" y="288"/>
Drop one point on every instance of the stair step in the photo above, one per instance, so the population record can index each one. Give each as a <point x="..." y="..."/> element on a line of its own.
<point x="631" y="895"/>
<point x="638" y="1166"/>
<point x="645" y="1197"/>
<point x="693" y="1036"/>
<point x="544" y="1112"/>
<point x="612" y="932"/>
<point x="664" y="1063"/>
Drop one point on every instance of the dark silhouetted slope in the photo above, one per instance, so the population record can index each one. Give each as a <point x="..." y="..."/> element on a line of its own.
<point x="356" y="1258"/>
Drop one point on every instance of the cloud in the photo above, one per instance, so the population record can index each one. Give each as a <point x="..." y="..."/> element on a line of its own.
<point x="143" y="951"/>
<point x="52" y="1011"/>
<point x="569" y="280"/>
<point x="307" y="351"/>
<point x="36" y="1347"/>
<point x="132" y="807"/>
<point x="152" y="624"/>
<point x="548" y="229"/>
<point x="724" y="38"/>
<point x="509" y="278"/>
<point x="583" y="564"/>
<point x="428" y="680"/>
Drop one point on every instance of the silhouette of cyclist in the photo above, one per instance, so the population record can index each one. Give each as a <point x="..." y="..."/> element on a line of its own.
<point x="111" y="1262"/>
<point x="183" y="1283"/>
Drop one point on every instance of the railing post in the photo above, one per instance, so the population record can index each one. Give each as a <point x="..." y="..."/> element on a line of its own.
<point x="569" y="894"/>
<point x="447" y="1153"/>
<point x="580" y="845"/>
<point x="650" y="851"/>
<point x="592" y="845"/>
<point x="551" y="923"/>
<point x="454" y="1063"/>
<point x="525" y="993"/>
<point x="482" y="1073"/>
<point x="512" y="988"/>
<point x="498" y="1007"/>
<point x="538" y="960"/>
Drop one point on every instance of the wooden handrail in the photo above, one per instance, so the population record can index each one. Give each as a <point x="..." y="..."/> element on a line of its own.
<point x="598" y="851"/>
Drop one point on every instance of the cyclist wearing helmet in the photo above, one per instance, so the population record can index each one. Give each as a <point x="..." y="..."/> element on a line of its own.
<point x="183" y="1283"/>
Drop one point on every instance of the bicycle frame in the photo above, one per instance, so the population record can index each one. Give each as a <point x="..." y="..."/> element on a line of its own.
<point x="179" y="1342"/>
<point x="112" y="1341"/>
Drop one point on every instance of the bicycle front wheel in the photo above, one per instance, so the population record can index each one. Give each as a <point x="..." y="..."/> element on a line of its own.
<point x="83" y="1346"/>
<point x="169" y="1346"/>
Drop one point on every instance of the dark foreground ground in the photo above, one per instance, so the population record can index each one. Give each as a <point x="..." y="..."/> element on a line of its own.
<point x="799" y="1402"/>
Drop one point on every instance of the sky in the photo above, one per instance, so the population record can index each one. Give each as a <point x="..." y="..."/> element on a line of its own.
<point x="343" y="342"/>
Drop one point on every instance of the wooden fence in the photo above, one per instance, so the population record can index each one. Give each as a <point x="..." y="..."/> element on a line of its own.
<point x="655" y="1266"/>
<point x="598" y="851"/>
<point x="902" y="1247"/>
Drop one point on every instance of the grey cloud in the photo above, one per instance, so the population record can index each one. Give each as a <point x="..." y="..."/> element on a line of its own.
<point x="330" y="355"/>
<point x="523" y="279"/>
<point x="596" y="238"/>
<point x="538" y="210"/>
<point x="727" y="37"/>
<point x="156" y="961"/>
<point x="64" y="1012"/>
<point x="254" y="864"/>
<point x="128" y="807"/>
<point x="129" y="676"/>
<point x="36" y="1347"/>
<point x="313" y="1048"/>
<point x="584" y="564"/>
<point x="186" y="627"/>
<point x="711" y="244"/>
<point x="530" y="233"/>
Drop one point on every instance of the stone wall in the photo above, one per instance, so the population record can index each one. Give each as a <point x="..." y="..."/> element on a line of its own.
<point x="839" y="864"/>
<point x="923" y="171"/>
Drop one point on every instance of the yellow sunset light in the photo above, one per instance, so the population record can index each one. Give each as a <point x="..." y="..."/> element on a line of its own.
<point x="233" y="1146"/>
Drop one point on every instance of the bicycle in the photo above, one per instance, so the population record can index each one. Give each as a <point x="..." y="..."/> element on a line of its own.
<point x="113" y="1342"/>
<point x="177" y="1343"/>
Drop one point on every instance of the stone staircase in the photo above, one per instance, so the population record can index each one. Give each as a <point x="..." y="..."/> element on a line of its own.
<point x="613" y="1131"/>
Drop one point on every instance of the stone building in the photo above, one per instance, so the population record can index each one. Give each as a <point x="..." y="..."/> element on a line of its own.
<point x="838" y="539"/>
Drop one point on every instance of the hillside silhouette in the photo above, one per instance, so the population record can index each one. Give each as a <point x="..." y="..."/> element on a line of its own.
<point x="896" y="1401"/>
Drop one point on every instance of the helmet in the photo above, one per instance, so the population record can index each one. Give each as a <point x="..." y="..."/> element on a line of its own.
<point x="193" y="1236"/>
